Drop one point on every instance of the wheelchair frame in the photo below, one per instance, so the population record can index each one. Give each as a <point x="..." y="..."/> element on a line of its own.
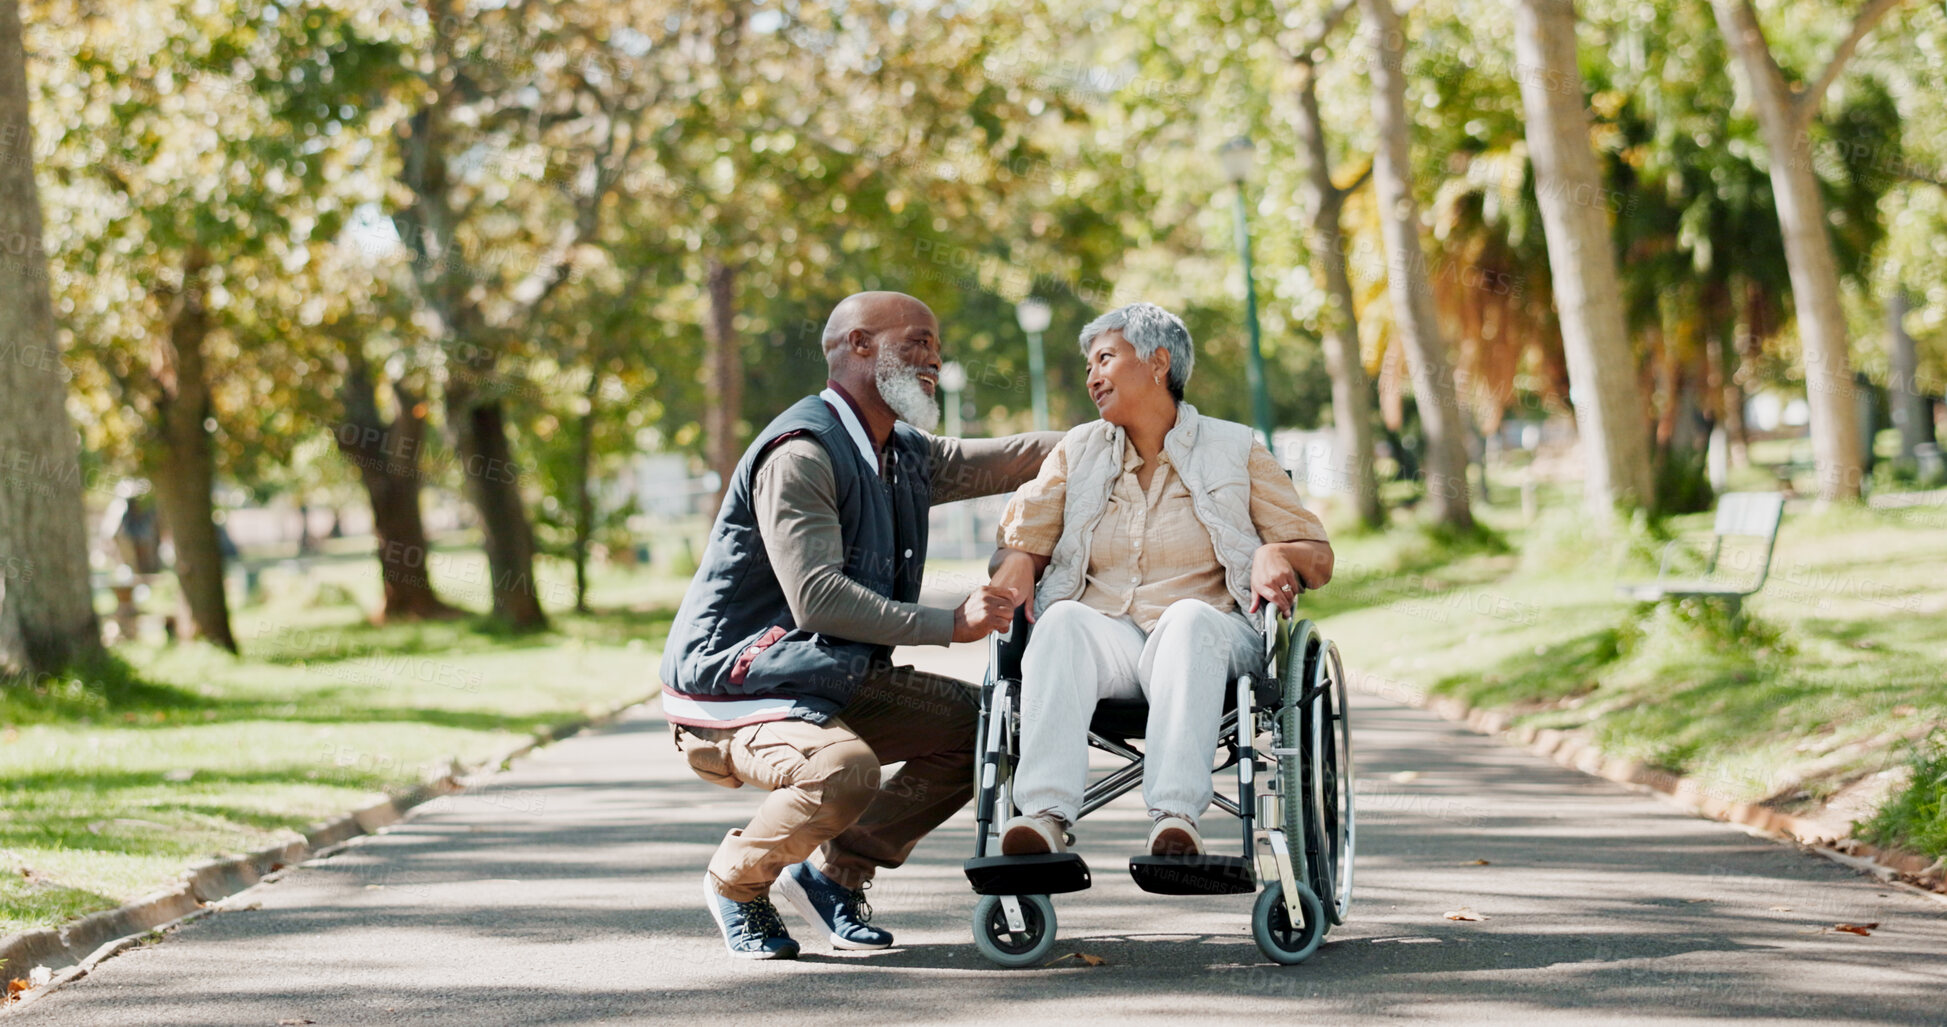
<point x="1298" y="703"/>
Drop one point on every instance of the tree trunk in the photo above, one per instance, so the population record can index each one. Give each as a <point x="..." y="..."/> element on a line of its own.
<point x="723" y="383"/>
<point x="446" y="292"/>
<point x="182" y="461"/>
<point x="584" y="499"/>
<point x="1581" y="260"/>
<point x="1910" y="409"/>
<point x="1783" y="119"/>
<point x="493" y="484"/>
<point x="1351" y="391"/>
<point x="47" y="614"/>
<point x="1406" y="275"/>
<point x="1728" y="381"/>
<point x="387" y="455"/>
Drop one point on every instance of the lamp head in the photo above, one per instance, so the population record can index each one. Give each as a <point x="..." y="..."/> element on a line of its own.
<point x="1034" y="314"/>
<point x="1237" y="155"/>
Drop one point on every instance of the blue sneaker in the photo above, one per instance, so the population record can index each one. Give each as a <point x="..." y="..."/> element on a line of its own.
<point x="751" y="930"/>
<point x="841" y="911"/>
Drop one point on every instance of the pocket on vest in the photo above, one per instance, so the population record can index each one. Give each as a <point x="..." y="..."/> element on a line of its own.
<point x="740" y="669"/>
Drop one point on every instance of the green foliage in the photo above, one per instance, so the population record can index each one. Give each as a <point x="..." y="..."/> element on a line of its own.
<point x="1915" y="818"/>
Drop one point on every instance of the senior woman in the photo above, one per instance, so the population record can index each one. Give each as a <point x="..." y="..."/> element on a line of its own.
<point x="1153" y="533"/>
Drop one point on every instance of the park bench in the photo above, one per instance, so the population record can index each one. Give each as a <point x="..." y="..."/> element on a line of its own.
<point x="1748" y="521"/>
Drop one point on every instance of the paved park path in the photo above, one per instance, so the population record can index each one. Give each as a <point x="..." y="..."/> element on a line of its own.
<point x="567" y="893"/>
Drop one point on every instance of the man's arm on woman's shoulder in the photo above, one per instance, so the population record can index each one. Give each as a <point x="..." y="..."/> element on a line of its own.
<point x="970" y="468"/>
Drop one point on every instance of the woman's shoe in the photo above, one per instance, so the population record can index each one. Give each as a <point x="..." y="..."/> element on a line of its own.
<point x="1175" y="836"/>
<point x="1031" y="836"/>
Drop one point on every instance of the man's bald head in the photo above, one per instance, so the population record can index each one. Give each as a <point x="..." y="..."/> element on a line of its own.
<point x="873" y="313"/>
<point x="884" y="349"/>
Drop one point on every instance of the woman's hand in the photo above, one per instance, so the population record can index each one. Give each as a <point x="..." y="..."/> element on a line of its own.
<point x="1273" y="579"/>
<point x="1013" y="572"/>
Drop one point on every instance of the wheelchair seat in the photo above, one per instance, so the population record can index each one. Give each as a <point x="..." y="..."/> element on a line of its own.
<point x="1126" y="720"/>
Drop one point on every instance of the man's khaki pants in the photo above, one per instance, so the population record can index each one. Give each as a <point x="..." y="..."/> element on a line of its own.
<point x="824" y="780"/>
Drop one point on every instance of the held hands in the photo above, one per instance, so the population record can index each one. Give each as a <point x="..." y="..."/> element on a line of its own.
<point x="1014" y="575"/>
<point x="1274" y="580"/>
<point x="1010" y="582"/>
<point x="988" y="610"/>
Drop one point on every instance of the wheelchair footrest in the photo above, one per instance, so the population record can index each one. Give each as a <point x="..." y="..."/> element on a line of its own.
<point x="1048" y="873"/>
<point x="1193" y="875"/>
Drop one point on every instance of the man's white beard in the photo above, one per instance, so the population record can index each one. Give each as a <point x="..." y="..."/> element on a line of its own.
<point x="899" y="386"/>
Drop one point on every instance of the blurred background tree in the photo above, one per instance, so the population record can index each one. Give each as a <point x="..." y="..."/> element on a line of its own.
<point x="509" y="248"/>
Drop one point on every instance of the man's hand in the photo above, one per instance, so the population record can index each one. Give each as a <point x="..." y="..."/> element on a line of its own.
<point x="1013" y="571"/>
<point x="1273" y="579"/>
<point x="988" y="610"/>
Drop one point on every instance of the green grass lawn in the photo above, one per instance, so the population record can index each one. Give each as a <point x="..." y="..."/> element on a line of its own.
<point x="1835" y="679"/>
<point x="113" y="781"/>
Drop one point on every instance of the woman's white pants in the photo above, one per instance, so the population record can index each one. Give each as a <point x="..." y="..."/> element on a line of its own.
<point x="1079" y="656"/>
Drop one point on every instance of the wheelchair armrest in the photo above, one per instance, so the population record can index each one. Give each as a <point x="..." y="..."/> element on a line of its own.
<point x="1004" y="651"/>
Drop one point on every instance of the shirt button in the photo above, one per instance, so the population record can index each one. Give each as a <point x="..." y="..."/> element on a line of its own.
<point x="909" y="554"/>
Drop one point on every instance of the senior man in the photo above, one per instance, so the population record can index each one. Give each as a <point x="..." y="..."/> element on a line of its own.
<point x="777" y="671"/>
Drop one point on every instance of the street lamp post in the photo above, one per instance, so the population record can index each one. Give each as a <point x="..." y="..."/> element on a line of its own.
<point x="1034" y="316"/>
<point x="1236" y="156"/>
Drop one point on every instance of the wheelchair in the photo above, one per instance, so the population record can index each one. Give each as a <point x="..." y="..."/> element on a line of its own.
<point x="1286" y="725"/>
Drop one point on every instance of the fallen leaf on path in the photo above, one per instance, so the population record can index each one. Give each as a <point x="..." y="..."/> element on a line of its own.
<point x="1475" y="863"/>
<point x="294" y="1021"/>
<point x="15" y="987"/>
<point x="1087" y="959"/>
<point x="1464" y="913"/>
<point x="1859" y="929"/>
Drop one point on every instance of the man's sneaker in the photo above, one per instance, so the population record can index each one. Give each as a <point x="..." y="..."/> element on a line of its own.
<point x="751" y="930"/>
<point x="841" y="911"/>
<point x="1032" y="836"/>
<point x="1175" y="836"/>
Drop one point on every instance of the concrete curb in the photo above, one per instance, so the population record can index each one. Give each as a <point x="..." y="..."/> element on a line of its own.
<point x="1577" y="751"/>
<point x="73" y="949"/>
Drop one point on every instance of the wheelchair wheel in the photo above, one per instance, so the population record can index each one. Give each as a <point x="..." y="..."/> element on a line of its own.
<point x="1282" y="941"/>
<point x="1010" y="948"/>
<point x="1299" y="783"/>
<point x="1336" y="820"/>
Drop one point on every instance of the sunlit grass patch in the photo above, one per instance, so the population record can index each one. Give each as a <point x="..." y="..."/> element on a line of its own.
<point x="1831" y="674"/>
<point x="116" y="776"/>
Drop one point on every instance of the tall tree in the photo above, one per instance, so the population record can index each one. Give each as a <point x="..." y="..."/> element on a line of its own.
<point x="183" y="464"/>
<point x="1324" y="202"/>
<point x="1609" y="405"/>
<point x="189" y="205"/>
<point x="387" y="451"/>
<point x="47" y="614"/>
<point x="571" y="84"/>
<point x="1785" y="112"/>
<point x="1407" y="281"/>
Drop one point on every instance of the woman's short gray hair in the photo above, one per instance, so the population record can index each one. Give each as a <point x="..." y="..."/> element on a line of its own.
<point x="1148" y="326"/>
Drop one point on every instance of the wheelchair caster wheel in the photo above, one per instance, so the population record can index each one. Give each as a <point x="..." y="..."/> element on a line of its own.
<point x="1277" y="937"/>
<point x="1006" y="946"/>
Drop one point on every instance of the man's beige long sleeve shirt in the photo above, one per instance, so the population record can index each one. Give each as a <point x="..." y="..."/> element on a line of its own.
<point x="796" y="498"/>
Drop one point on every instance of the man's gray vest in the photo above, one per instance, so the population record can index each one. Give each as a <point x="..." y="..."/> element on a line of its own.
<point x="734" y="637"/>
